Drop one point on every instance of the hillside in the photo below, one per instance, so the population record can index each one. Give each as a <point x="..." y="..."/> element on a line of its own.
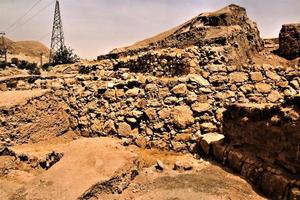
<point x="26" y="50"/>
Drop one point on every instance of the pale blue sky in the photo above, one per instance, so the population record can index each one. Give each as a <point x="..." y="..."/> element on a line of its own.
<point x="94" y="27"/>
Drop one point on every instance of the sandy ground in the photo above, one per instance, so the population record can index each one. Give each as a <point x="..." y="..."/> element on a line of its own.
<point x="87" y="161"/>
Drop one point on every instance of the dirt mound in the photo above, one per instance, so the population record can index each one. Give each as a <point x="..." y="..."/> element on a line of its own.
<point x="226" y="36"/>
<point x="204" y="26"/>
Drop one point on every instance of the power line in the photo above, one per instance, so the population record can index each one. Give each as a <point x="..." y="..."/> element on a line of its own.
<point x="26" y="13"/>
<point x="37" y="13"/>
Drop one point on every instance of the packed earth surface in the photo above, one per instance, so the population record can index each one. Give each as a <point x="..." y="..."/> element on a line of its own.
<point x="206" y="110"/>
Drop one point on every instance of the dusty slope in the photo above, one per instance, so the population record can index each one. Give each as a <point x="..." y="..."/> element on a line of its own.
<point x="28" y="48"/>
<point x="204" y="26"/>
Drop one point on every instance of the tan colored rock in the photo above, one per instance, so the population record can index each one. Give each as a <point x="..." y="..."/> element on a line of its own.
<point x="135" y="92"/>
<point x="218" y="79"/>
<point x="295" y="84"/>
<point x="198" y="79"/>
<point x="151" y="114"/>
<point x="109" y="94"/>
<point x="151" y="87"/>
<point x="208" y="139"/>
<point x="164" y="113"/>
<point x="163" y="92"/>
<point x="184" y="137"/>
<point x="182" y="116"/>
<point x="109" y="127"/>
<point x="263" y="87"/>
<point x="3" y="87"/>
<point x="274" y="96"/>
<point x="238" y="77"/>
<point x="273" y="76"/>
<point x="141" y="142"/>
<point x="124" y="129"/>
<point x="256" y="76"/>
<point x="208" y="127"/>
<point x="179" y="89"/>
<point x="201" y="107"/>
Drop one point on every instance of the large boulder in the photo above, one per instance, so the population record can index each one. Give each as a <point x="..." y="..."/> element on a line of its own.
<point x="289" y="41"/>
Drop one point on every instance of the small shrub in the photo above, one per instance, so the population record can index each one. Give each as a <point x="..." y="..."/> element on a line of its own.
<point x="64" y="55"/>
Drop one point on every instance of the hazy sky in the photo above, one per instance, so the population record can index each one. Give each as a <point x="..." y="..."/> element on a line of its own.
<point x="94" y="27"/>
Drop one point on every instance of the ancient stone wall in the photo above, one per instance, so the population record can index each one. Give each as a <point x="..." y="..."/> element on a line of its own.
<point x="289" y="41"/>
<point x="182" y="114"/>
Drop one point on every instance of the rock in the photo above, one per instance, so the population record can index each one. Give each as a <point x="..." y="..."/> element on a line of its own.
<point x="159" y="165"/>
<point x="201" y="107"/>
<point x="208" y="139"/>
<point x="184" y="137"/>
<point x="289" y="41"/>
<point x="295" y="84"/>
<point x="182" y="165"/>
<point x="109" y="127"/>
<point x="109" y="94"/>
<point x="208" y="127"/>
<point x="151" y="114"/>
<point x="124" y="129"/>
<point x="274" y="96"/>
<point x="3" y="87"/>
<point x="274" y="185"/>
<point x="219" y="113"/>
<point x="141" y="142"/>
<point x="294" y="193"/>
<point x="273" y="76"/>
<point x="179" y="89"/>
<point x="151" y="87"/>
<point x="170" y="100"/>
<point x="218" y="79"/>
<point x="164" y="113"/>
<point x="238" y="77"/>
<point x="235" y="160"/>
<point x="263" y="87"/>
<point x="137" y="114"/>
<point x="256" y="76"/>
<point x="163" y="92"/>
<point x="134" y="92"/>
<point x="182" y="116"/>
<point x="198" y="79"/>
<point x="290" y="92"/>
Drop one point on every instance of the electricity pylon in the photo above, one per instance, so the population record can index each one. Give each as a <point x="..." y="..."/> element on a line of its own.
<point x="57" y="39"/>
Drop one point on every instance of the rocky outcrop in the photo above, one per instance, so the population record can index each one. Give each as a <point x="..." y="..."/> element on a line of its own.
<point x="289" y="41"/>
<point x="225" y="36"/>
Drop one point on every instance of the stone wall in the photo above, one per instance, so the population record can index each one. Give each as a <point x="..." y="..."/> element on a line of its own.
<point x="289" y="41"/>
<point x="262" y="143"/>
<point x="182" y="114"/>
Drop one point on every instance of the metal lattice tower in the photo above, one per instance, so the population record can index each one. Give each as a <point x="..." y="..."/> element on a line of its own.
<point x="57" y="39"/>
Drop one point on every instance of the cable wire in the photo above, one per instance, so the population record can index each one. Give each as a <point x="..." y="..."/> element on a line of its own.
<point x="24" y="15"/>
<point x="29" y="19"/>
